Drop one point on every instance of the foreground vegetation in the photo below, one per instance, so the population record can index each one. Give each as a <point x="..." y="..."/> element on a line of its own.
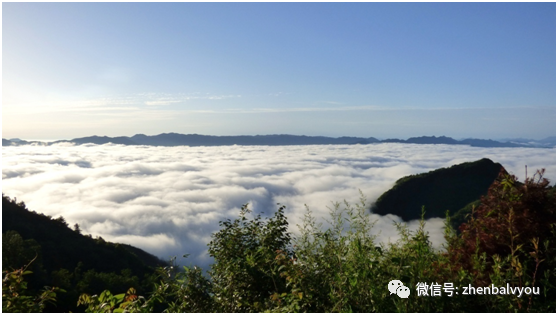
<point x="508" y="239"/>
<point x="63" y="257"/>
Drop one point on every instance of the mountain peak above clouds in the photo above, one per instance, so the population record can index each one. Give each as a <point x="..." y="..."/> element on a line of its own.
<point x="450" y="188"/>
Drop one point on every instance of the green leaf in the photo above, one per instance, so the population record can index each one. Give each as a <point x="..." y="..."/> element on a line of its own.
<point x="120" y="297"/>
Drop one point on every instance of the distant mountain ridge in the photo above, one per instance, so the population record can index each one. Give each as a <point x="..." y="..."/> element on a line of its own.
<point x="172" y="139"/>
<point x="548" y="141"/>
<point x="177" y="139"/>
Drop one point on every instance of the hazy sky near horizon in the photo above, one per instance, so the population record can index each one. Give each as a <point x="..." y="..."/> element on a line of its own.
<point x="485" y="70"/>
<point x="168" y="202"/>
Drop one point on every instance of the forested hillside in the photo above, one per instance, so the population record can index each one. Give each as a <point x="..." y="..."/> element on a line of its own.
<point x="451" y="188"/>
<point x="65" y="258"/>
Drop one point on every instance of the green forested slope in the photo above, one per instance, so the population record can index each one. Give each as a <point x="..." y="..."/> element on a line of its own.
<point x="443" y="189"/>
<point x="66" y="258"/>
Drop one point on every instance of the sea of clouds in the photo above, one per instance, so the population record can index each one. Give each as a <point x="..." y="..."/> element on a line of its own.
<point x="169" y="200"/>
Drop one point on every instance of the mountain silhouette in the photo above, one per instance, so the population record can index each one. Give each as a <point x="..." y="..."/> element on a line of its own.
<point x="177" y="139"/>
<point x="489" y="143"/>
<point x="102" y="140"/>
<point x="63" y="257"/>
<point x="63" y="247"/>
<point x="432" y="140"/>
<point x="451" y="188"/>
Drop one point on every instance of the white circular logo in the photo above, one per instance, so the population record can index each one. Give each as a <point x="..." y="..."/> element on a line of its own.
<point x="403" y="292"/>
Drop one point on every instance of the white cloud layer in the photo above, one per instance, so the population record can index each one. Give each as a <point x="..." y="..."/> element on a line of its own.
<point x="169" y="200"/>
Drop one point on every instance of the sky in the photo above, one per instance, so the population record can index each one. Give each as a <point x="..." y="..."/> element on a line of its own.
<point x="169" y="202"/>
<point x="484" y="70"/>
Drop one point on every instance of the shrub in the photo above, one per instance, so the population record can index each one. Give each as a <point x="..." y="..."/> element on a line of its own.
<point x="510" y="238"/>
<point x="245" y="272"/>
<point x="15" y="298"/>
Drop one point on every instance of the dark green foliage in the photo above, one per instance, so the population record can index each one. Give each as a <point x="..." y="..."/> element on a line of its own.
<point x="106" y="302"/>
<point x="245" y="272"/>
<point x="439" y="190"/>
<point x="175" y="291"/>
<point x="331" y="269"/>
<point x="92" y="281"/>
<point x="462" y="215"/>
<point x="65" y="258"/>
<point x="16" y="252"/>
<point x="15" y="295"/>
<point x="66" y="247"/>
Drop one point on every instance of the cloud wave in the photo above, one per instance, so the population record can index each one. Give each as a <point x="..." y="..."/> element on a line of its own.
<point x="168" y="201"/>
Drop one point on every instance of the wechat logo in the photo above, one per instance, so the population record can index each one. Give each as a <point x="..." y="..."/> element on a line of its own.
<point x="397" y="287"/>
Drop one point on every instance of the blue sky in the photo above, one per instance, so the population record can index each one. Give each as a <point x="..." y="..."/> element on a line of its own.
<point x="484" y="70"/>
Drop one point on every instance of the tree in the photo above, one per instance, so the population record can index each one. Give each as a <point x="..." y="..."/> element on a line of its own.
<point x="17" y="252"/>
<point x="511" y="238"/>
<point x="245" y="273"/>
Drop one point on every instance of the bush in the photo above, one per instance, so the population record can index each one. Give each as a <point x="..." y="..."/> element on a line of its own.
<point x="245" y="273"/>
<point x="510" y="238"/>
<point x="15" y="298"/>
